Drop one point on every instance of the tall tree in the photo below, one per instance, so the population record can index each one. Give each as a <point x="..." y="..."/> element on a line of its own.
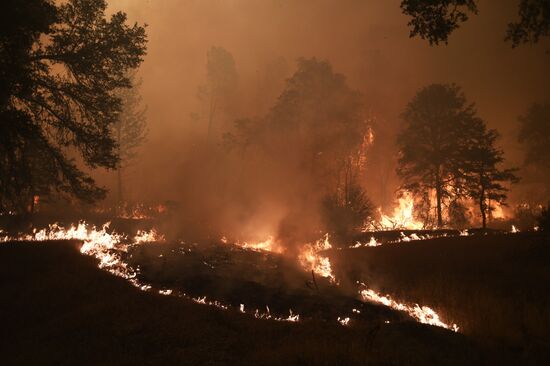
<point x="534" y="135"/>
<point x="221" y="82"/>
<point x="130" y="129"/>
<point x="486" y="181"/>
<point x="61" y="64"/>
<point x="317" y="132"/>
<point x="433" y="140"/>
<point x="435" y="20"/>
<point x="319" y="121"/>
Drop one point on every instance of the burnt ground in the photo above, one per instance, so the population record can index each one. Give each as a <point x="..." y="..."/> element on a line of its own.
<point x="59" y="309"/>
<point x="495" y="286"/>
<point x="258" y="280"/>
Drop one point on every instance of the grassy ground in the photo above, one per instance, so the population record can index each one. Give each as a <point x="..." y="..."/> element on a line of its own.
<point x="57" y="308"/>
<point x="496" y="287"/>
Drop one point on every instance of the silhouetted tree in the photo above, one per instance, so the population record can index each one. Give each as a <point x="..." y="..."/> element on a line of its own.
<point x="318" y="128"/>
<point x="130" y="129"/>
<point x="533" y="24"/>
<point x="61" y="64"/>
<point x="318" y="120"/>
<point x="534" y="135"/>
<point x="221" y="81"/>
<point x="485" y="180"/>
<point x="344" y="215"/>
<point x="435" y="20"/>
<point x="433" y="141"/>
<point x="319" y="123"/>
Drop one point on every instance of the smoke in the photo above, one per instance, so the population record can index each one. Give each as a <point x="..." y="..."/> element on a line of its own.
<point x="366" y="41"/>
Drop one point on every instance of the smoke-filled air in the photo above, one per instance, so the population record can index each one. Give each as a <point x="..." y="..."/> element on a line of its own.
<point x="275" y="182"/>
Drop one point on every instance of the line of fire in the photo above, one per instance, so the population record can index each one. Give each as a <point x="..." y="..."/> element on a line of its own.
<point x="274" y="182"/>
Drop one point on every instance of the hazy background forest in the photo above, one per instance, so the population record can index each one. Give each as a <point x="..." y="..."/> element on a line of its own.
<point x="366" y="41"/>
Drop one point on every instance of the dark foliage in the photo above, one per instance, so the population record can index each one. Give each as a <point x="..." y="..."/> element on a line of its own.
<point x="446" y="148"/>
<point x="533" y="24"/>
<point x="534" y="135"/>
<point x="60" y="65"/>
<point x="484" y="178"/>
<point x="345" y="217"/>
<point x="436" y="20"/>
<point x="433" y="140"/>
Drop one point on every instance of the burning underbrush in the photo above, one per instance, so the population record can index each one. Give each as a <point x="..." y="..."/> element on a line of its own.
<point x="259" y="279"/>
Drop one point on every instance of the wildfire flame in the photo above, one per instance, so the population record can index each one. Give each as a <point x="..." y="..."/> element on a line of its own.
<point x="423" y="314"/>
<point x="107" y="247"/>
<point x="401" y="218"/>
<point x="268" y="245"/>
<point x="311" y="260"/>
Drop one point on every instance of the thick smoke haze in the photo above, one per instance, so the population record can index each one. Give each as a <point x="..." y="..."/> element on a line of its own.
<point x="367" y="41"/>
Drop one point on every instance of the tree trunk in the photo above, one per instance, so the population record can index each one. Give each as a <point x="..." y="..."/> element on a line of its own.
<point x="482" y="209"/>
<point x="438" y="191"/>
<point x="119" y="185"/>
<point x="119" y="169"/>
<point x="31" y="206"/>
<point x="212" y="111"/>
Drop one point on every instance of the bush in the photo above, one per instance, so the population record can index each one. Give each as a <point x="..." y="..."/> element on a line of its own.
<point x="344" y="214"/>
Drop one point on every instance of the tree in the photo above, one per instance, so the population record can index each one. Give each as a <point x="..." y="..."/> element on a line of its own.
<point x="130" y="129"/>
<point x="221" y="82"/>
<point x="534" y="135"/>
<point x="318" y="121"/>
<point x="344" y="216"/>
<point x="433" y="140"/>
<point x="435" y="20"/>
<point x="534" y="22"/>
<point x="60" y="67"/>
<point x="316" y="132"/>
<point x="485" y="180"/>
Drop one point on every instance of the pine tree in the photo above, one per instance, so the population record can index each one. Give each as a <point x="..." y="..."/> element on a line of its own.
<point x="432" y="142"/>
<point x="130" y="130"/>
<point x="485" y="179"/>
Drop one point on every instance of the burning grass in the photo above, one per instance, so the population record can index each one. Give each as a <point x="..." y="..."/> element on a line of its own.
<point x="66" y="312"/>
<point x="259" y="280"/>
<point x="493" y="286"/>
<point x="235" y="285"/>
